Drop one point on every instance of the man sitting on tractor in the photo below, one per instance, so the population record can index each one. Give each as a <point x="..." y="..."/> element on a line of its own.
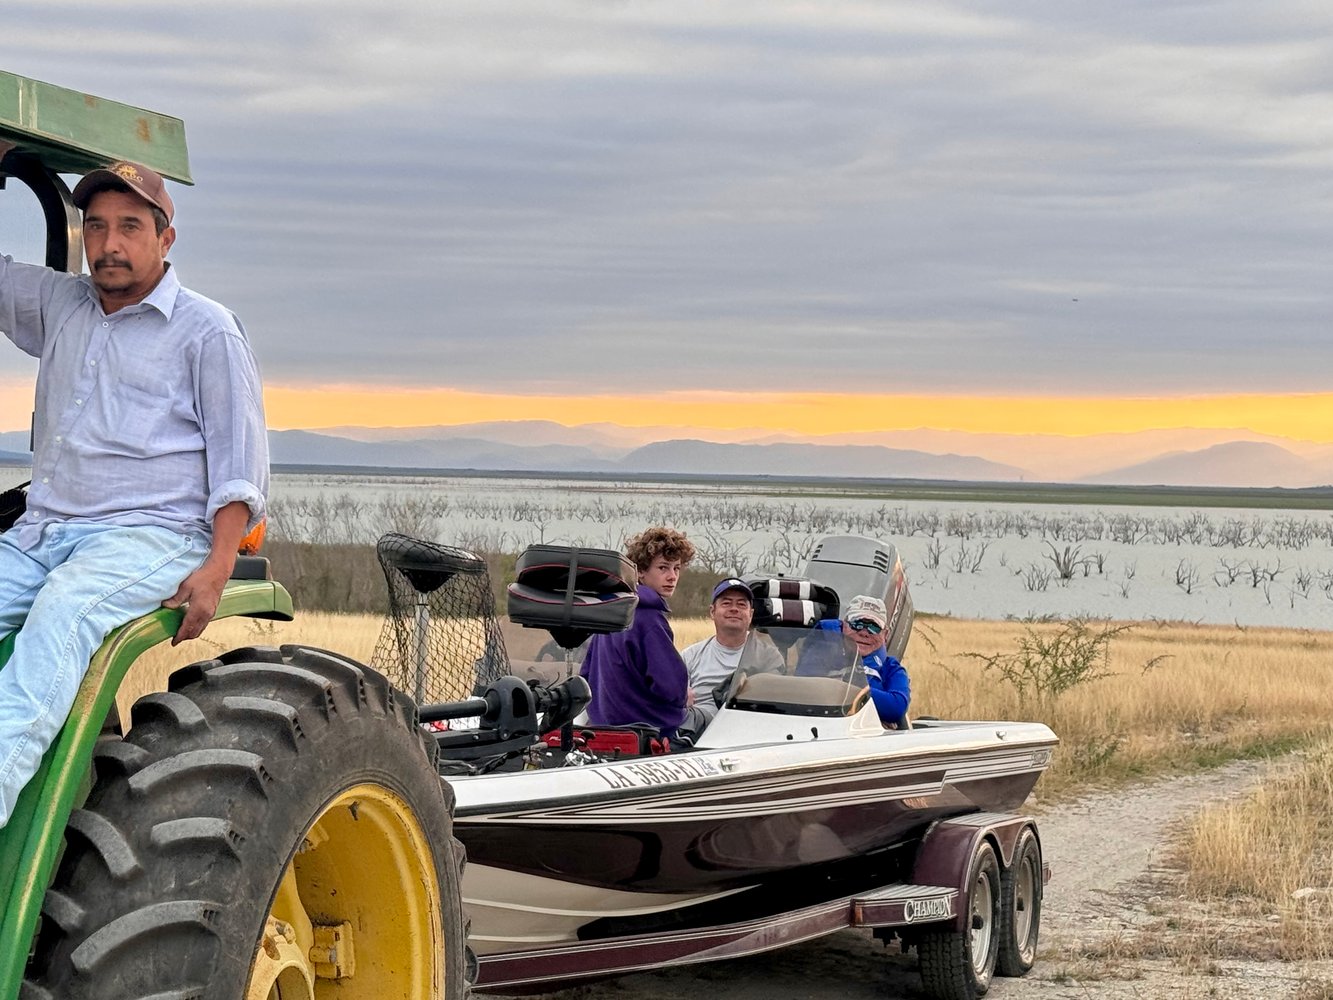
<point x="150" y="456"/>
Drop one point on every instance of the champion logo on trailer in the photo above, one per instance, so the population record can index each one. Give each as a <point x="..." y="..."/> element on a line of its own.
<point x="935" y="908"/>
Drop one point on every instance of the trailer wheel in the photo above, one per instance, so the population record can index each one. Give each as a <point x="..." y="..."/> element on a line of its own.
<point x="271" y="828"/>
<point x="958" y="964"/>
<point x="1020" y="907"/>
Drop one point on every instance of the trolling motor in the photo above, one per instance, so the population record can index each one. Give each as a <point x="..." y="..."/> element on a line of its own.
<point x="570" y="592"/>
<point x="512" y="714"/>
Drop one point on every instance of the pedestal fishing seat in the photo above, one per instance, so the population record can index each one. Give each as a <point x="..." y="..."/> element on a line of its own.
<point x="573" y="592"/>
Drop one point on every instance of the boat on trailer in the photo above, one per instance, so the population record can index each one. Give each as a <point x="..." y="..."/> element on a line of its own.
<point x="797" y="812"/>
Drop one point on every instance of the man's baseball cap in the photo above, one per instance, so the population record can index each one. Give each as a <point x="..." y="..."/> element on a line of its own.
<point x="866" y="609"/>
<point x="147" y="184"/>
<point x="731" y="583"/>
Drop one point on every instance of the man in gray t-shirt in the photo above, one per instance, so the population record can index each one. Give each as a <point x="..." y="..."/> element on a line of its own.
<point x="713" y="660"/>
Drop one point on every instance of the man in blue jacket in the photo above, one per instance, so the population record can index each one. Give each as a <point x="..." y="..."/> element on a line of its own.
<point x="864" y="623"/>
<point x="637" y="676"/>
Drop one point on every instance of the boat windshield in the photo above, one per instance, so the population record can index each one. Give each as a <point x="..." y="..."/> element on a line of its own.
<point x="798" y="671"/>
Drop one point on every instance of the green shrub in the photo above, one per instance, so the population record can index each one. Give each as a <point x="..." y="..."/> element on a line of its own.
<point x="1050" y="661"/>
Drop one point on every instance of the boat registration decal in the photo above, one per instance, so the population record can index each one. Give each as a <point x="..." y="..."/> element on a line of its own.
<point x="656" y="772"/>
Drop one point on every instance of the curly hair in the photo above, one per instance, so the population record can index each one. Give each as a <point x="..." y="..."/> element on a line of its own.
<point x="654" y="543"/>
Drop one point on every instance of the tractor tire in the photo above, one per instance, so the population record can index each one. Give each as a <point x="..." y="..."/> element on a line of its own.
<point x="1020" y="907"/>
<point x="272" y="827"/>
<point x="959" y="964"/>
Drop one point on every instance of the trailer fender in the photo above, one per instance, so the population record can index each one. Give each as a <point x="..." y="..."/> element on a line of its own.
<point x="945" y="854"/>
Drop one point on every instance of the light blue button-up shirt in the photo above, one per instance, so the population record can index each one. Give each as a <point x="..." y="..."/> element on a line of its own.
<point x="152" y="415"/>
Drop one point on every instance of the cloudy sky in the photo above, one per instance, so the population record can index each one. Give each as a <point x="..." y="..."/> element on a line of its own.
<point x="642" y="207"/>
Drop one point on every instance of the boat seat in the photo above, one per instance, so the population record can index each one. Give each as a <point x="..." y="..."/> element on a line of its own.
<point x="782" y="602"/>
<point x="573" y="592"/>
<point x="790" y="695"/>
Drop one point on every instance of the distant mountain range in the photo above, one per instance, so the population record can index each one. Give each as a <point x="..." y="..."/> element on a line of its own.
<point x="309" y="448"/>
<point x="873" y="461"/>
<point x="1236" y="463"/>
<point x="1177" y="457"/>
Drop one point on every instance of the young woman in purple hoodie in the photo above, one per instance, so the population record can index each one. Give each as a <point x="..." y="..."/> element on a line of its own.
<point x="637" y="676"/>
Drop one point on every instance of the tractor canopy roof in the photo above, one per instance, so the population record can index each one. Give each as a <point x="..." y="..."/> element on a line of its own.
<point x="71" y="132"/>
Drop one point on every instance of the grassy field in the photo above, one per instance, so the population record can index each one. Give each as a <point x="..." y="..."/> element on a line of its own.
<point x="1271" y="854"/>
<point x="1176" y="696"/>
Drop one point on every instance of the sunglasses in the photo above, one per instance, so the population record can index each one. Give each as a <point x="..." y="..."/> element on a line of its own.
<point x="861" y="625"/>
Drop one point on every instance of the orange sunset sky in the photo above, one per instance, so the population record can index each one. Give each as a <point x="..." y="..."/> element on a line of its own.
<point x="1303" y="417"/>
<point x="1306" y="417"/>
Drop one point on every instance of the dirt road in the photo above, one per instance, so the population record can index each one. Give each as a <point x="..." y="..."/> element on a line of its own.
<point x="1104" y="850"/>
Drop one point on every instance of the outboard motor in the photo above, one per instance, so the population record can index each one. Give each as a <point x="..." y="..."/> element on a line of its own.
<point x="855" y="564"/>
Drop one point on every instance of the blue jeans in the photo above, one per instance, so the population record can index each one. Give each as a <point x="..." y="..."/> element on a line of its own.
<point x="67" y="593"/>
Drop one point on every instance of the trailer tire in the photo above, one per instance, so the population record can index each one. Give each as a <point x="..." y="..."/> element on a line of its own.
<point x="273" y="820"/>
<point x="1020" y="907"/>
<point x="959" y="964"/>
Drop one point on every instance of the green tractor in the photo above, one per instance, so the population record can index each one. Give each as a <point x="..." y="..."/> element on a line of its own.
<point x="270" y="826"/>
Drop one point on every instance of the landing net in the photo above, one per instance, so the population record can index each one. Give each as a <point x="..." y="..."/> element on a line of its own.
<point x="441" y="640"/>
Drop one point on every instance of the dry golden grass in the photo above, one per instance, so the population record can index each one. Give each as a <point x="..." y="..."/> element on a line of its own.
<point x="691" y="630"/>
<point x="1272" y="854"/>
<point x="1212" y="693"/>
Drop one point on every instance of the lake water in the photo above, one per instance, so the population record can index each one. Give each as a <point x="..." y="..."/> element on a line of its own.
<point x="969" y="559"/>
<point x="963" y="558"/>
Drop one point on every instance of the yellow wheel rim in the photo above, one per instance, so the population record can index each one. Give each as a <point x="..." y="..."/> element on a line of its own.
<point x="357" y="913"/>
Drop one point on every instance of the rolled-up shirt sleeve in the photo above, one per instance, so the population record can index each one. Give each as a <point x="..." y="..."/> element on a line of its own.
<point x="231" y="413"/>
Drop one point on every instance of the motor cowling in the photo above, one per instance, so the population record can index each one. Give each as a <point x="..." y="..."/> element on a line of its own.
<point x="855" y="564"/>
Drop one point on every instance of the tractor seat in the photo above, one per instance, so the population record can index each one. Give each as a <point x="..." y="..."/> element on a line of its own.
<point x="252" y="568"/>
